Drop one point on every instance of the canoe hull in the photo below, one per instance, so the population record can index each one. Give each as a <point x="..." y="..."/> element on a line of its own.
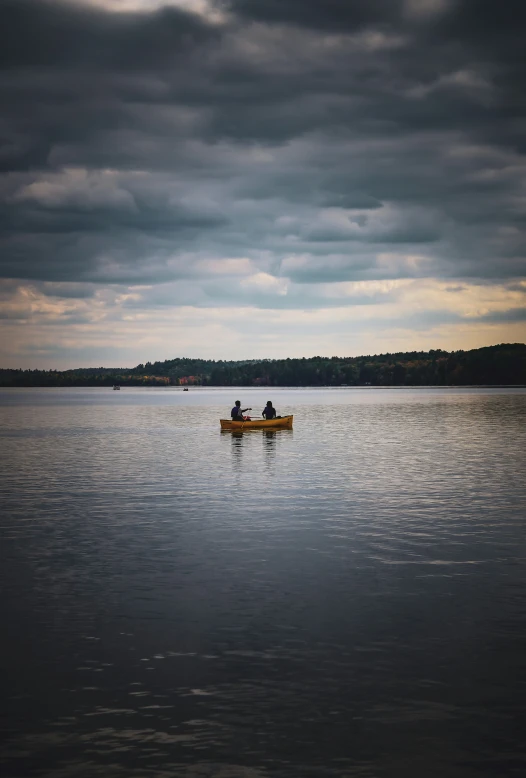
<point x="285" y="423"/>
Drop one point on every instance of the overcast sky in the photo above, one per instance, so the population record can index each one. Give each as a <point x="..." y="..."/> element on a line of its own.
<point x="259" y="178"/>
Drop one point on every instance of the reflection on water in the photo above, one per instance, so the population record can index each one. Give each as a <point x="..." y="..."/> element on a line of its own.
<point x="269" y="446"/>
<point x="344" y="599"/>
<point x="243" y="440"/>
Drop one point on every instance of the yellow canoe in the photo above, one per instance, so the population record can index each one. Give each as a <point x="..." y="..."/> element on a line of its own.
<point x="281" y="423"/>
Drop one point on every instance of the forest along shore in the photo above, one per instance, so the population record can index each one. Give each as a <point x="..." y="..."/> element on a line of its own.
<point x="500" y="365"/>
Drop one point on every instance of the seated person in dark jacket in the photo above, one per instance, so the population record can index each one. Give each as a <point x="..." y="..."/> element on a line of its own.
<point x="237" y="412"/>
<point x="269" y="412"/>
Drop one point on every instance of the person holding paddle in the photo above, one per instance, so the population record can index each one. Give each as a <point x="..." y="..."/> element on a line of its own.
<point x="237" y="412"/>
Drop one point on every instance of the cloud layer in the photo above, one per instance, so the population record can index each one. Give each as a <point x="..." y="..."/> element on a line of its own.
<point x="259" y="178"/>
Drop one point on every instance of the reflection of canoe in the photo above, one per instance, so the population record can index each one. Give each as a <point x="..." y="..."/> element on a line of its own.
<point x="281" y="423"/>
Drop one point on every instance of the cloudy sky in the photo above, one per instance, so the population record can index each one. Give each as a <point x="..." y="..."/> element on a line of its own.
<point x="259" y="178"/>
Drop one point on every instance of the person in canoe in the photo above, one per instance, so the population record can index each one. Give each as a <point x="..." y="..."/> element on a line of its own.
<point x="269" y="412"/>
<point x="237" y="412"/>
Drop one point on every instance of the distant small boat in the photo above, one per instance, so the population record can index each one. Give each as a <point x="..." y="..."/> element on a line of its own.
<point x="279" y="423"/>
<point x="116" y="388"/>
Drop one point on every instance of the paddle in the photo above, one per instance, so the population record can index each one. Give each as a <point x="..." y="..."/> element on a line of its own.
<point x="242" y="419"/>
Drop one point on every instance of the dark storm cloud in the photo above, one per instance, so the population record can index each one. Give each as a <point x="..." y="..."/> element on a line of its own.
<point x="332" y="15"/>
<point x="511" y="315"/>
<point x="50" y="33"/>
<point x="339" y="131"/>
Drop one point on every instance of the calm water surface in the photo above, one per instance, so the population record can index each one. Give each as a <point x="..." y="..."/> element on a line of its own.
<point x="344" y="599"/>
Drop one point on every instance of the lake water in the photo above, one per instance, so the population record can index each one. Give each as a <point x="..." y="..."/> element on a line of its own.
<point x="344" y="599"/>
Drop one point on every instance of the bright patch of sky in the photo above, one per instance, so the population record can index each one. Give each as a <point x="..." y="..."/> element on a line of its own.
<point x="202" y="7"/>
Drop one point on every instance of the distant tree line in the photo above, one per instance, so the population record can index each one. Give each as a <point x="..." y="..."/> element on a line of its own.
<point x="494" y="365"/>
